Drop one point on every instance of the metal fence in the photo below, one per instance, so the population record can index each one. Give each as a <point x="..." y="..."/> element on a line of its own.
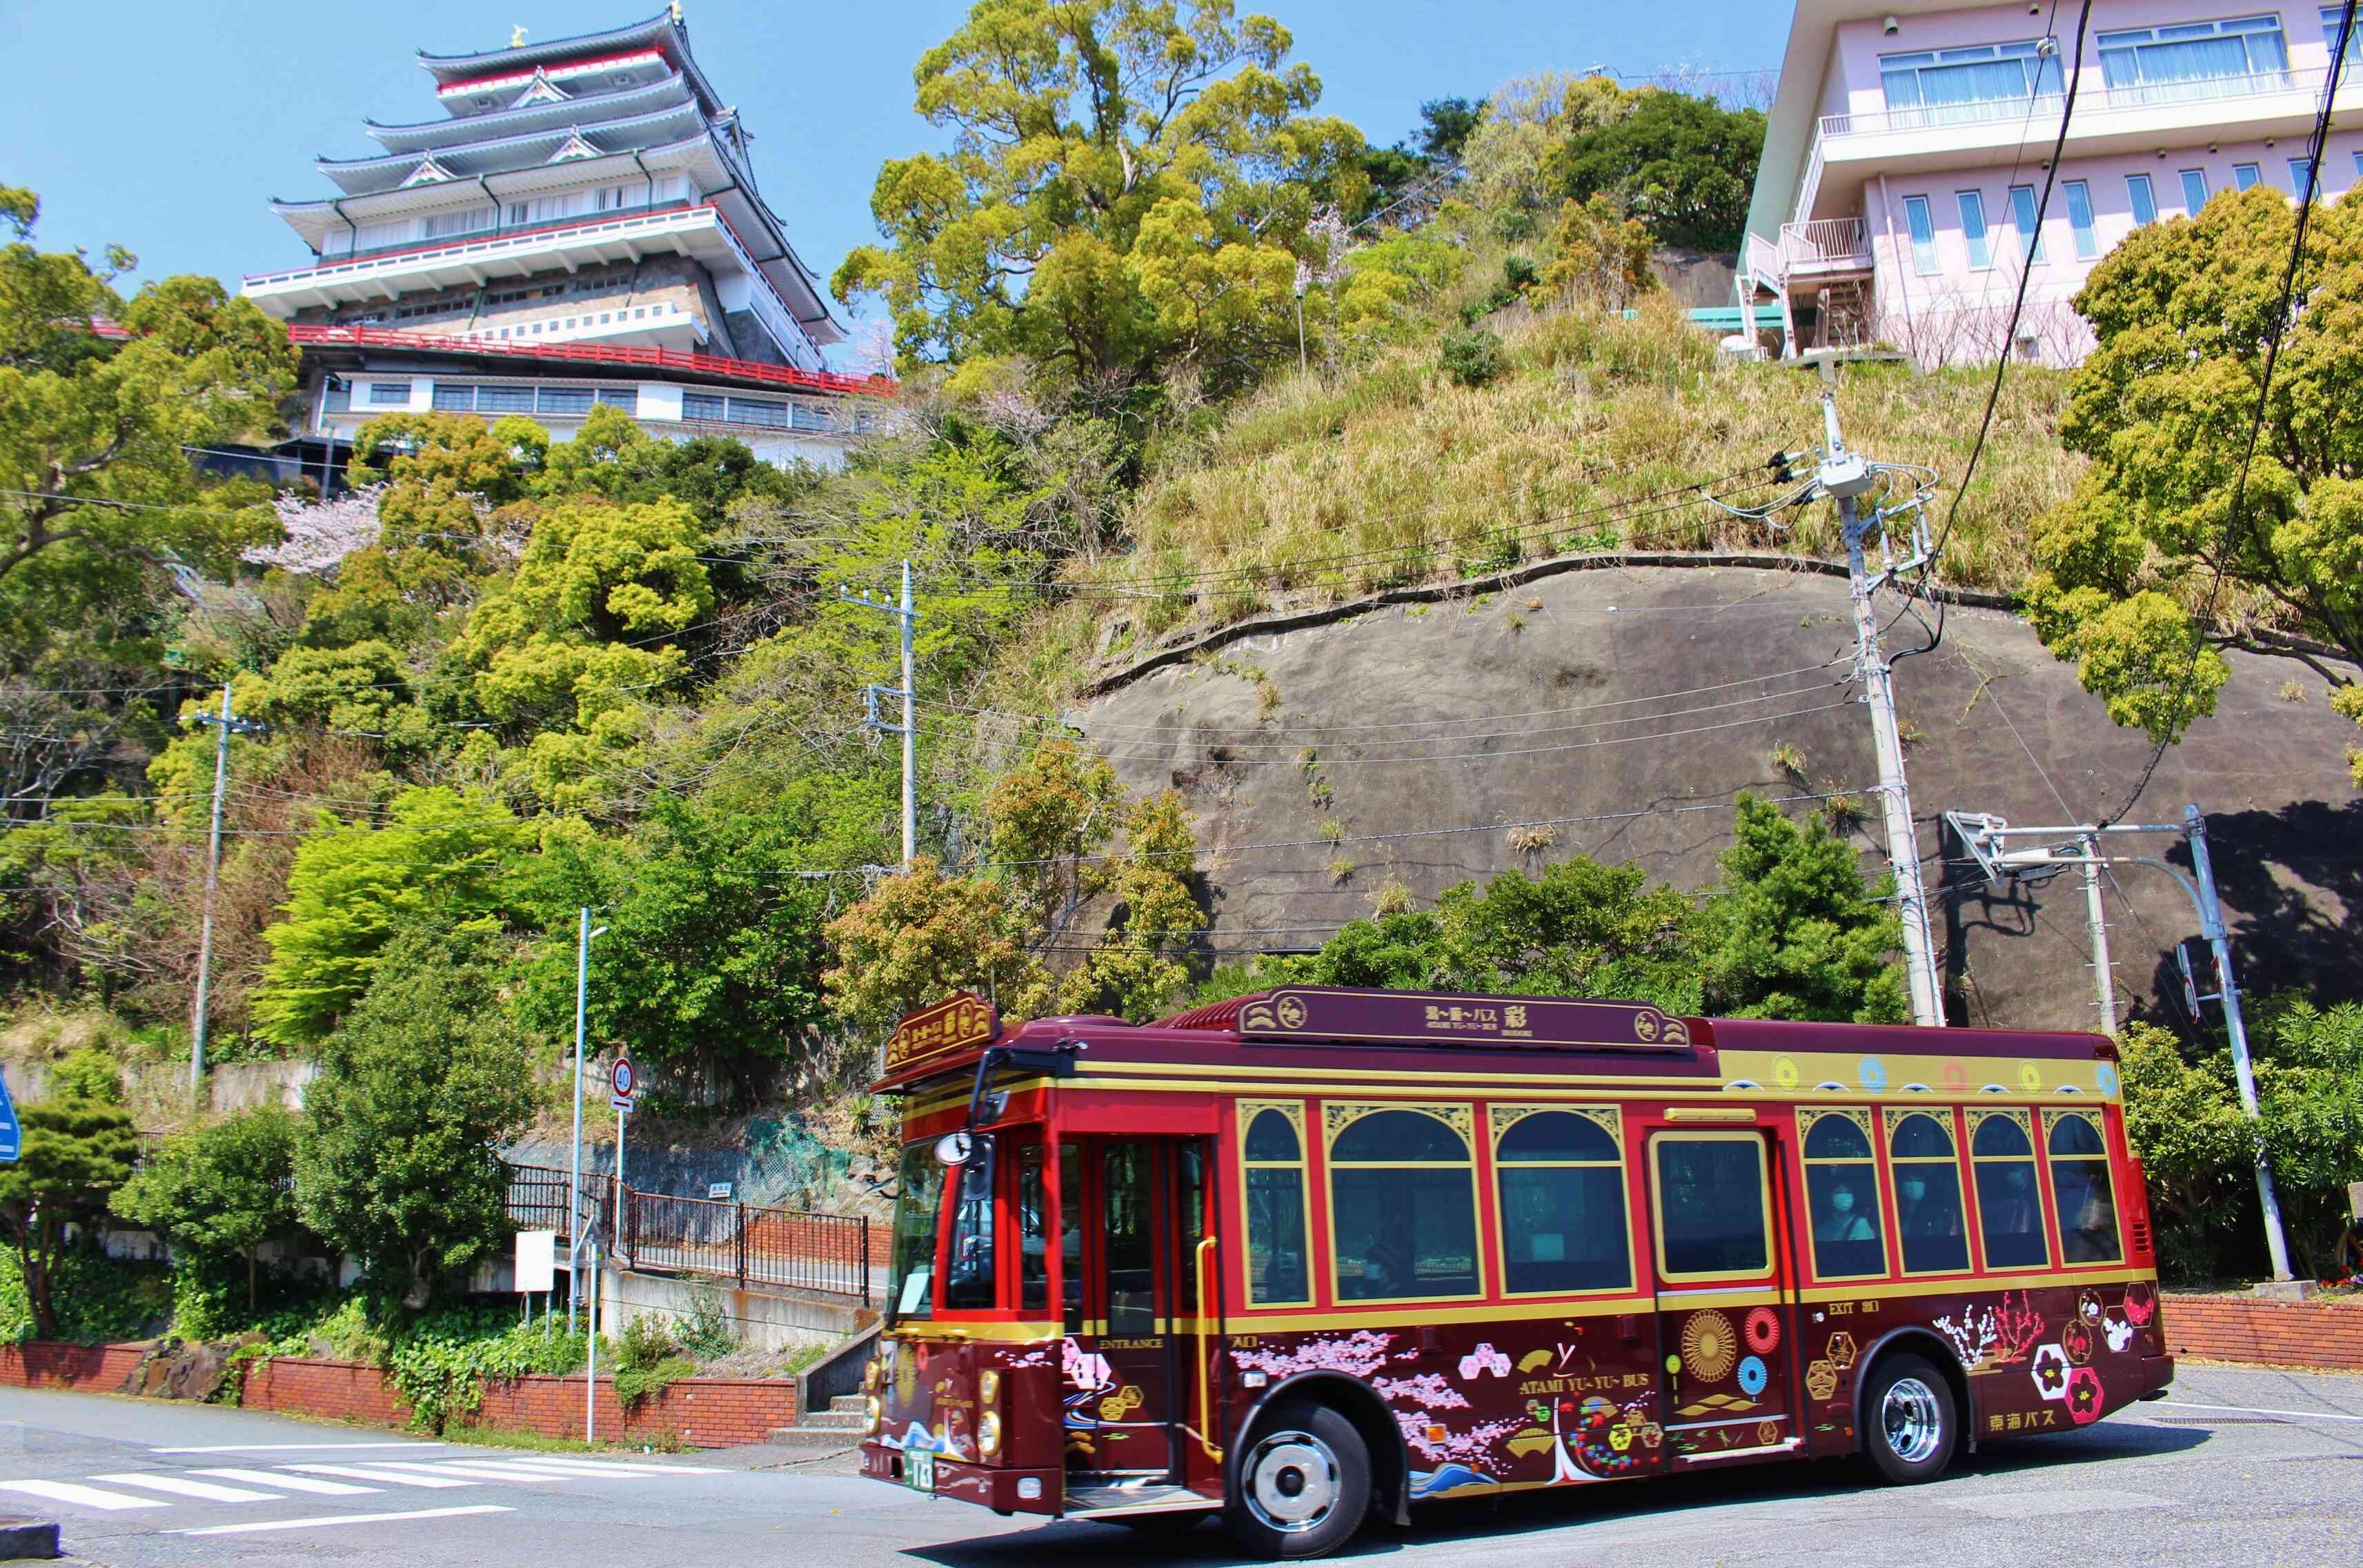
<point x="658" y="1233"/>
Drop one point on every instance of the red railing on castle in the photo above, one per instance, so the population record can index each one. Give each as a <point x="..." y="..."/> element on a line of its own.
<point x="658" y="1233"/>
<point x="595" y="354"/>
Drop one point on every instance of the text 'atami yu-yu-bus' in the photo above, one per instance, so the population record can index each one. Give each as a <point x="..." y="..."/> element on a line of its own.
<point x="1310" y="1257"/>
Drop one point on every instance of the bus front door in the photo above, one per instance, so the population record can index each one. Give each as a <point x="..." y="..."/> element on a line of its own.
<point x="1725" y="1297"/>
<point x="1134" y="1339"/>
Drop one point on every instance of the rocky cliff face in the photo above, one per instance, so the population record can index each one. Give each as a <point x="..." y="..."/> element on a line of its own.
<point x="1623" y="709"/>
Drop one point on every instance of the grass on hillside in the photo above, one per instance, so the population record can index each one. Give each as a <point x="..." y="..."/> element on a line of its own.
<point x="1316" y="489"/>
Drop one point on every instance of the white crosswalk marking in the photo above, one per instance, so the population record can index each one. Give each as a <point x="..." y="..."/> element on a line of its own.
<point x="293" y="1483"/>
<point x="183" y="1487"/>
<point x="82" y="1496"/>
<point x="613" y="1467"/>
<point x="482" y="1469"/>
<point x="344" y="1519"/>
<point x="356" y="1472"/>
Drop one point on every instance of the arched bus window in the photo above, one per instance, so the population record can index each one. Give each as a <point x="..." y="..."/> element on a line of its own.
<point x="1927" y="1171"/>
<point x="1842" y="1193"/>
<point x="1560" y="1179"/>
<point x="1273" y="1155"/>
<point x="2087" y="1209"/>
<point x="2010" y="1205"/>
<point x="1403" y="1203"/>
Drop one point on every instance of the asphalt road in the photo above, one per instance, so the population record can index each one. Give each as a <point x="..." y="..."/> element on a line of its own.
<point x="2239" y="1466"/>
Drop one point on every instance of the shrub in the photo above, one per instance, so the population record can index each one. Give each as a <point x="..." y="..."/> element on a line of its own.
<point x="1472" y="357"/>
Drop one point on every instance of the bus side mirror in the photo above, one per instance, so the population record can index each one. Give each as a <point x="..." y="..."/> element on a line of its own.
<point x="953" y="1149"/>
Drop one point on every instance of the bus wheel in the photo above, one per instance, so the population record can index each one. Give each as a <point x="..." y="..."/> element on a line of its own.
<point x="1303" y="1484"/>
<point x="1910" y="1427"/>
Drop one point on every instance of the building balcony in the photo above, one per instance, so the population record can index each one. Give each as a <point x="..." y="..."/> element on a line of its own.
<point x="478" y="260"/>
<point x="1812" y="252"/>
<point x="2108" y="120"/>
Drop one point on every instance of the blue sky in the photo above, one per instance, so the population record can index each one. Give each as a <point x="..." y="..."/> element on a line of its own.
<point x="169" y="127"/>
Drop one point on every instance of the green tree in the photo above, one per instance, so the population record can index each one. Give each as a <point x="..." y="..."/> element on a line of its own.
<point x="1141" y="962"/>
<point x="220" y="1194"/>
<point x="398" y="1161"/>
<point x="1684" y="167"/>
<point x="2130" y="567"/>
<point x="919" y="936"/>
<point x="76" y="1150"/>
<point x="89" y="416"/>
<point x="712" y="955"/>
<point x="1793" y="930"/>
<point x="1598" y="254"/>
<point x="439" y="855"/>
<point x="1130" y="185"/>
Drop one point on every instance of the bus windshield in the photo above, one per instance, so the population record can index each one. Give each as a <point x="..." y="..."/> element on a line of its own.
<point x="918" y="1209"/>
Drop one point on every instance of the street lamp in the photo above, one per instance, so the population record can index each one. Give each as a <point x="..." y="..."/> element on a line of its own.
<point x="574" y="1188"/>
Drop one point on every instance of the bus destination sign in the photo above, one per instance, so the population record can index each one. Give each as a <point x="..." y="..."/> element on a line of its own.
<point x="1396" y="1017"/>
<point x="957" y="1023"/>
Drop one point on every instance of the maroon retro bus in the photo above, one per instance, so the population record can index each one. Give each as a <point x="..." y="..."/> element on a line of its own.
<point x="1308" y="1258"/>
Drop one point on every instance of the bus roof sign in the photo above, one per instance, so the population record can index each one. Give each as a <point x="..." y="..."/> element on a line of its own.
<point x="960" y="1022"/>
<point x="1401" y="1018"/>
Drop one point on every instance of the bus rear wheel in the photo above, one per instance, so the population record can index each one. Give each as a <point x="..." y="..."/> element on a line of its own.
<point x="1303" y="1484"/>
<point x="1911" y="1426"/>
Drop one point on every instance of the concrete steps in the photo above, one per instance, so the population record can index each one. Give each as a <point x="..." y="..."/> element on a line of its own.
<point x="842" y="1425"/>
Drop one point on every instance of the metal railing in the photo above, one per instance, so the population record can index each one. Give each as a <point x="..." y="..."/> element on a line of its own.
<point x="1840" y="241"/>
<point x="2043" y="110"/>
<point x="656" y="1232"/>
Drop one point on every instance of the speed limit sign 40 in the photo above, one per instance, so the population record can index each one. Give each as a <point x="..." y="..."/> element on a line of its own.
<point x="623" y="1079"/>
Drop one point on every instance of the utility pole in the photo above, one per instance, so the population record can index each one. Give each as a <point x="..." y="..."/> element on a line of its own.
<point x="2210" y="918"/>
<point x="574" y="1188"/>
<point x="2104" y="978"/>
<point x="224" y="727"/>
<point x="1843" y="476"/>
<point x="1987" y="837"/>
<point x="908" y="729"/>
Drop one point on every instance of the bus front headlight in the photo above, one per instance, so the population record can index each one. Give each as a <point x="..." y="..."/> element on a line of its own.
<point x="988" y="1433"/>
<point x="988" y="1386"/>
<point x="877" y="1408"/>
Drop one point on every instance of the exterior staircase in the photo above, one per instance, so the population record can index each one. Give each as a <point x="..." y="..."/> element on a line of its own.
<point x="842" y="1425"/>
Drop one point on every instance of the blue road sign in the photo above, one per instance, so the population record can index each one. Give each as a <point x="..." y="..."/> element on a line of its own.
<point x="10" y="1138"/>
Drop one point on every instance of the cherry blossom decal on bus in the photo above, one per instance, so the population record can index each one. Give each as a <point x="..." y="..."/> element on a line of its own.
<point x="1995" y="1338"/>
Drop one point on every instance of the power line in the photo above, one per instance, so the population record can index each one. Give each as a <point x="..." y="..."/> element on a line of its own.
<point x="2263" y="394"/>
<point x="2010" y="334"/>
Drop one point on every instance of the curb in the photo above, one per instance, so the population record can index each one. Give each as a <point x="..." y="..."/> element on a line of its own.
<point x="21" y="1539"/>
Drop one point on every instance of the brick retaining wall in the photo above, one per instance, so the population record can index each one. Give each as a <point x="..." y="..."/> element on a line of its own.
<point x="45" y="1363"/>
<point x="702" y="1412"/>
<point x="2266" y="1333"/>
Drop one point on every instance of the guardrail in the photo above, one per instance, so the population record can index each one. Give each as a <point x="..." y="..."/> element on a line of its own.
<point x="593" y="354"/>
<point x="656" y="1232"/>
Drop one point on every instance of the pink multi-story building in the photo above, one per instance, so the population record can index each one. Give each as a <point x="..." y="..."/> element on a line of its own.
<point x="1908" y="146"/>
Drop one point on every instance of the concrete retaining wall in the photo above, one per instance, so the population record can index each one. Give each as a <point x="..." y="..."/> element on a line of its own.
<point x="2267" y="1333"/>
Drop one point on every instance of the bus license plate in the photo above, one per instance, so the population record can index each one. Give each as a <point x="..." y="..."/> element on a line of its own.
<point x="919" y="1472"/>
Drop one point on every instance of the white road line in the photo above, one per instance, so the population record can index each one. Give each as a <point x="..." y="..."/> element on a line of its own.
<point x="294" y="1447"/>
<point x="615" y="1467"/>
<point x="85" y="1497"/>
<point x="187" y="1488"/>
<point x="355" y="1473"/>
<point x="2254" y="1410"/>
<point x="293" y="1483"/>
<point x="342" y="1519"/>
<point x="479" y="1469"/>
<point x="539" y="1467"/>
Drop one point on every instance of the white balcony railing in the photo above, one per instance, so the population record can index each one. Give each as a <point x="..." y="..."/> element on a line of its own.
<point x="1820" y="246"/>
<point x="1826" y="242"/>
<point x="2093" y="101"/>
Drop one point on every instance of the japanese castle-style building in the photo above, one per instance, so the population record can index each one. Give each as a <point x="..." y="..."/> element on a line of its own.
<point x="581" y="228"/>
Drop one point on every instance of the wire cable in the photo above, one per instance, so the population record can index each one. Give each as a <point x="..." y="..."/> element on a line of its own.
<point x="2010" y="336"/>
